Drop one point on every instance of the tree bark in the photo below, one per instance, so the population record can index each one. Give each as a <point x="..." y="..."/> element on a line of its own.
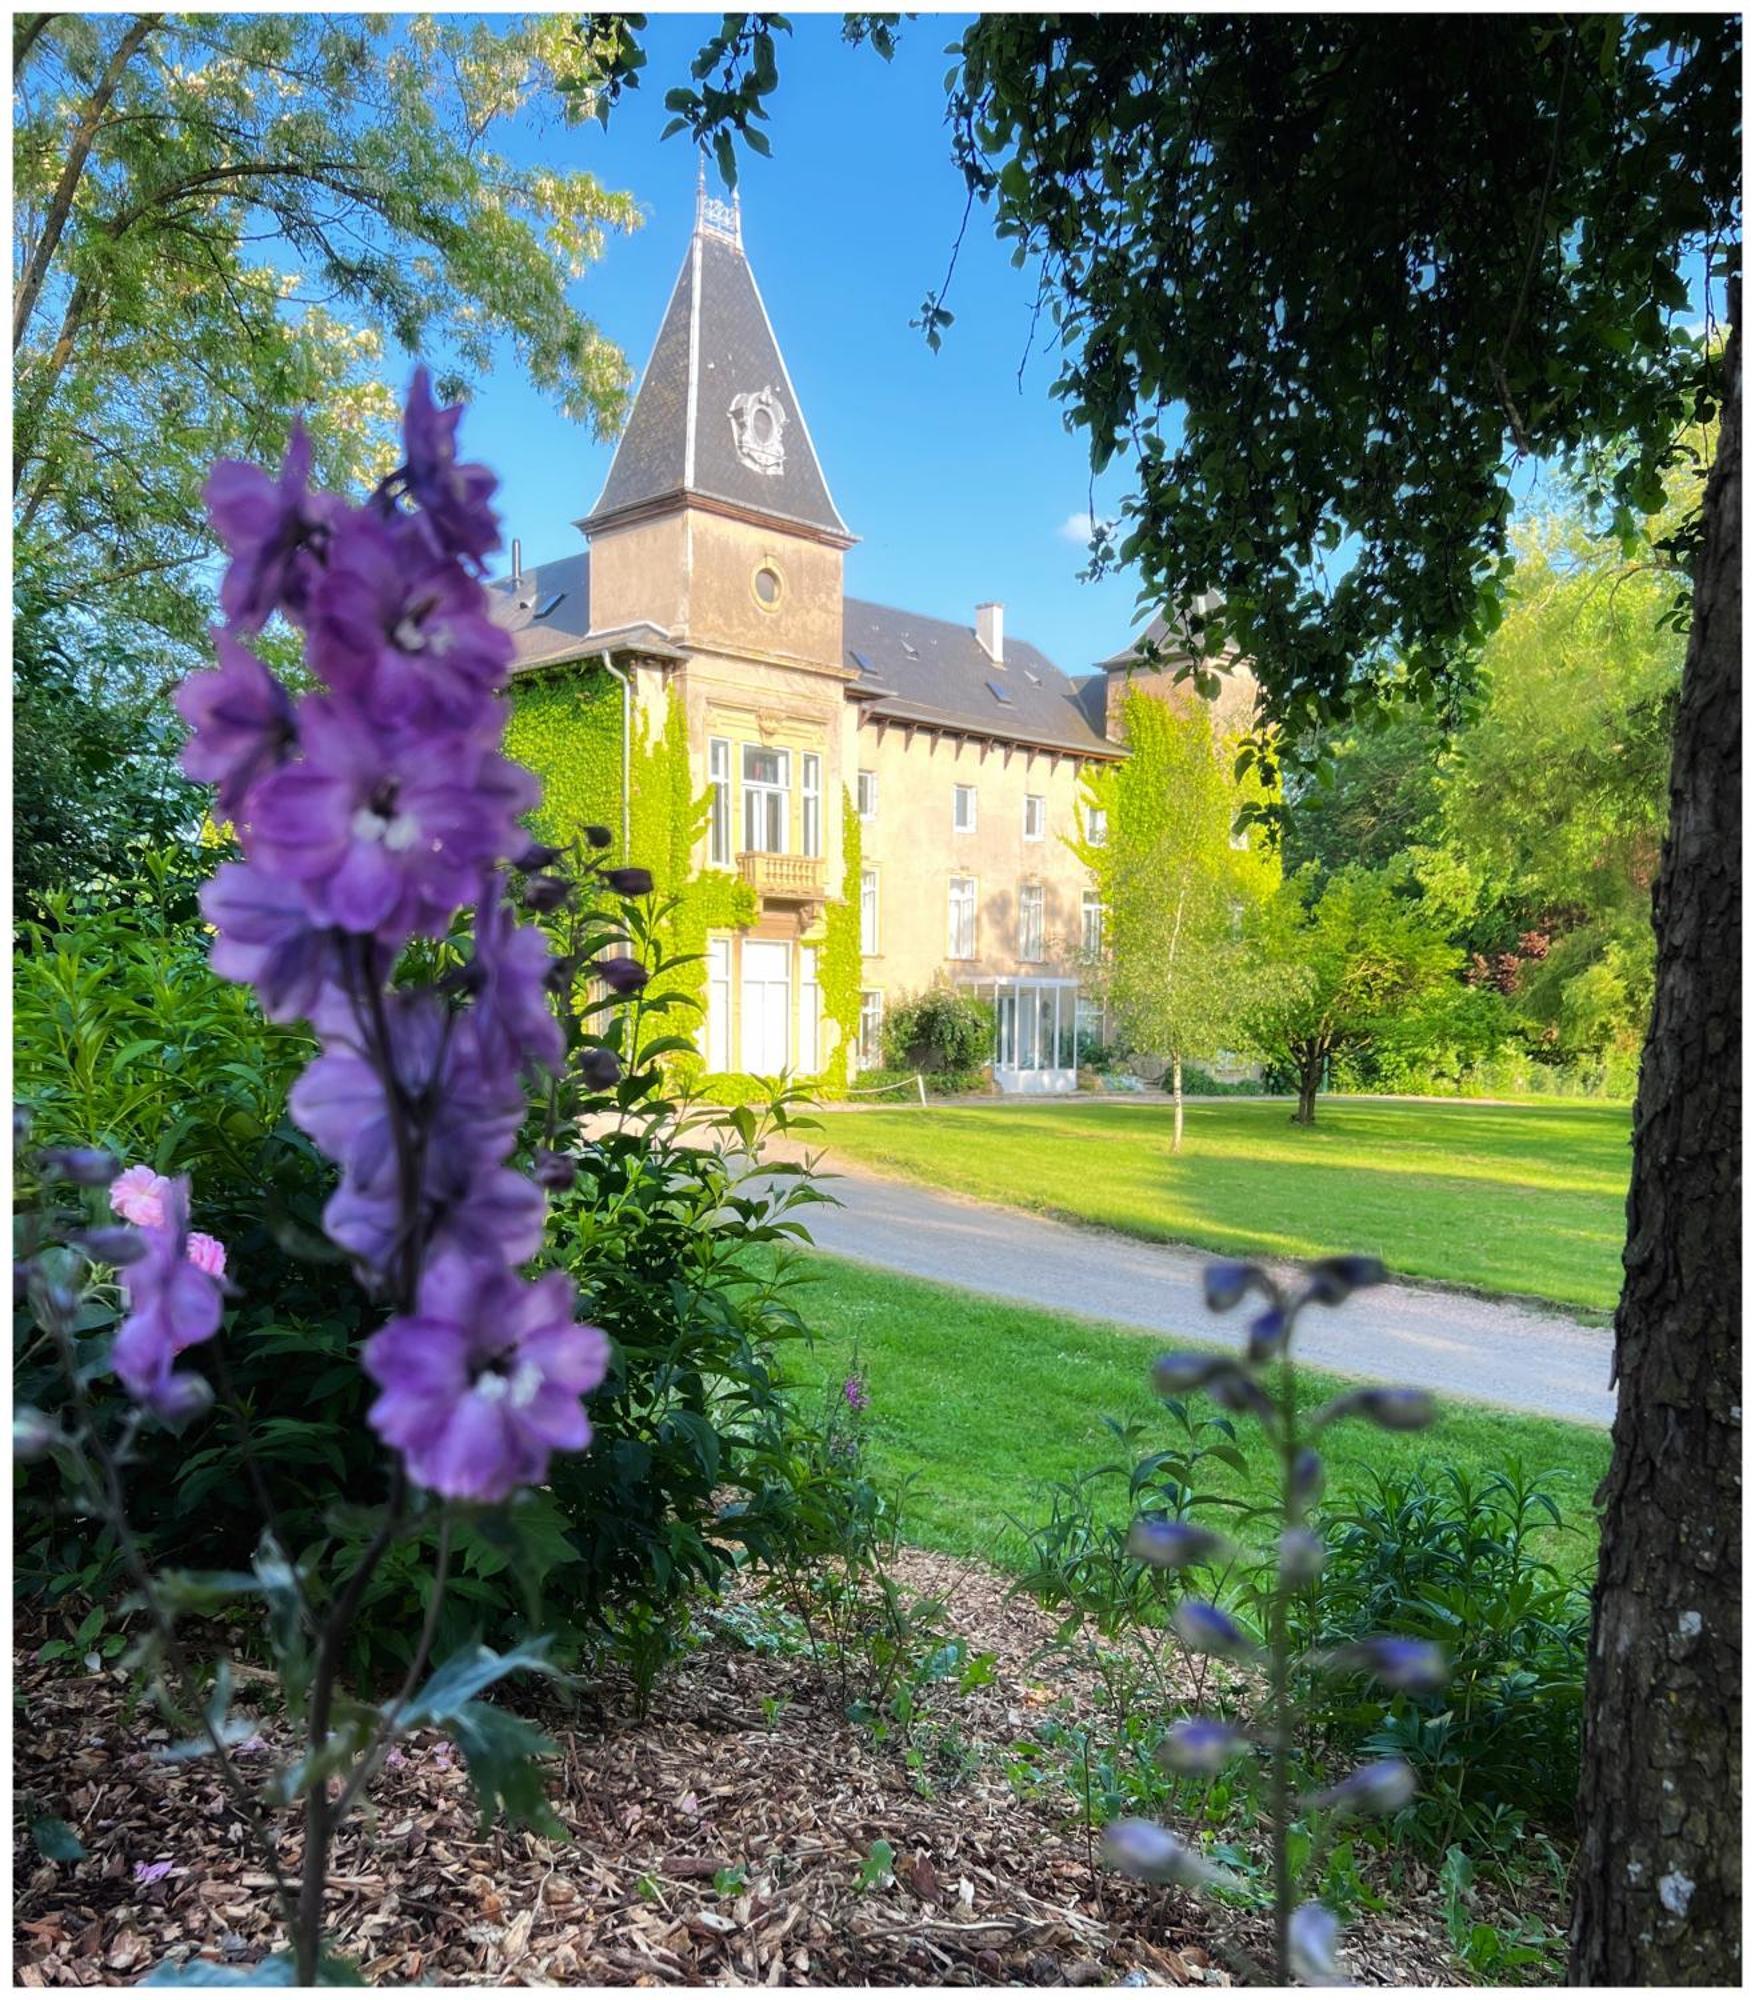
<point x="1176" y="1096"/>
<point x="1658" y="1887"/>
<point x="1309" y="1081"/>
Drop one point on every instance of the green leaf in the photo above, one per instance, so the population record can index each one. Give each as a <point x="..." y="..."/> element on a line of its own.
<point x="466" y="1674"/>
<point x="501" y="1750"/>
<point x="275" y="1971"/>
<point x="875" y="1869"/>
<point x="55" y="1840"/>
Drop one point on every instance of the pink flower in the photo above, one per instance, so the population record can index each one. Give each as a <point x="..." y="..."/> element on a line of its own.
<point x="138" y="1196"/>
<point x="207" y="1253"/>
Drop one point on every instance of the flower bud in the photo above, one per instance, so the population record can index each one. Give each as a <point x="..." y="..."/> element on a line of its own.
<point x="1308" y="1480"/>
<point x="629" y="881"/>
<point x="1312" y="1939"/>
<point x="112" y="1245"/>
<point x="621" y="975"/>
<point x="544" y="893"/>
<point x="33" y="1434"/>
<point x="1373" y="1788"/>
<point x="538" y="855"/>
<point x="1410" y="1666"/>
<point x="1242" y="1394"/>
<point x="85" y="1166"/>
<point x="1392" y="1409"/>
<point x="1179" y="1374"/>
<point x="599" y="837"/>
<point x="1302" y="1556"/>
<point x="1173" y="1544"/>
<point x="1200" y="1747"/>
<point x="1268" y="1333"/>
<point x="1225" y="1283"/>
<point x="553" y="1171"/>
<point x="184" y="1398"/>
<point x="1152" y="1853"/>
<point x="1204" y="1628"/>
<point x="600" y="1069"/>
<point x="1332" y="1279"/>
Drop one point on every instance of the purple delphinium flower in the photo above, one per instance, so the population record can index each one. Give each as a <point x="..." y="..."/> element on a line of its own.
<point x="269" y="526"/>
<point x="84" y="1166"/>
<point x="385" y="833"/>
<point x="855" y="1394"/>
<point x="1268" y="1333"/>
<point x="265" y="937"/>
<point x="516" y="1023"/>
<point x="453" y="498"/>
<point x="1313" y="1937"/>
<point x="1373" y="1788"/>
<point x="241" y="720"/>
<point x="1201" y="1747"/>
<point x="1173" y="1544"/>
<point x="1152" y="1853"/>
<point x="484" y="1380"/>
<point x="621" y="975"/>
<point x="1204" y="1628"/>
<point x="629" y="881"/>
<point x="173" y="1305"/>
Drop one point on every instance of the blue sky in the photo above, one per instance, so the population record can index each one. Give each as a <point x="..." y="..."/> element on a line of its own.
<point x="959" y="485"/>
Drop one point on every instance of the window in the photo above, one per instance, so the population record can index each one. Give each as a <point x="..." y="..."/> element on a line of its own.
<point x="1091" y="924"/>
<point x="962" y="913"/>
<point x="717" y="1026"/>
<point x="868" y="910"/>
<point x="1035" y="816"/>
<point x="719" y="821"/>
<point x="1097" y="825"/>
<point x="810" y="1009"/>
<point x="811" y="803"/>
<point x="963" y="808"/>
<point x="1030" y="921"/>
<point x="871" y="1030"/>
<point x="865" y="795"/>
<point x="766" y="583"/>
<point x="766" y="777"/>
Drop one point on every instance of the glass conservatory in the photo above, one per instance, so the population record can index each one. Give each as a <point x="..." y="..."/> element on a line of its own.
<point x="1037" y="1031"/>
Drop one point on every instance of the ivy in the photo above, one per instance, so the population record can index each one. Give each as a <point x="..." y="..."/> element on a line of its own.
<point x="567" y="728"/>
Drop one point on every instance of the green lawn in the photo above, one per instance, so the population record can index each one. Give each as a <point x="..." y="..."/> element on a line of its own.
<point x="1516" y="1198"/>
<point x="985" y="1404"/>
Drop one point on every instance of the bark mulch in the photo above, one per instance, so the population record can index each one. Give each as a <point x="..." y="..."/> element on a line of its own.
<point x="726" y="1838"/>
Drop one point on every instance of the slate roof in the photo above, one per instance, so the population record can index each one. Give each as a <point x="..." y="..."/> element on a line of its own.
<point x="715" y="343"/>
<point x="561" y="591"/>
<point x="928" y="670"/>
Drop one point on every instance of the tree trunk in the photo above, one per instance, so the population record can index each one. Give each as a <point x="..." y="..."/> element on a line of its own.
<point x="1309" y="1081"/>
<point x="1176" y="1094"/>
<point x="1657" y="1896"/>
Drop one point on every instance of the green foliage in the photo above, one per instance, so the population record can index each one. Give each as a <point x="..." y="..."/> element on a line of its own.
<point x="567" y="728"/>
<point x="1313" y="270"/>
<point x="1344" y="964"/>
<point x="1374" y="791"/>
<point x="1175" y="890"/>
<point x="943" y="1033"/>
<point x="153" y="332"/>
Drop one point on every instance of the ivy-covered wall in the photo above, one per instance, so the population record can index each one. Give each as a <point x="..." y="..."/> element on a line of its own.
<point x="567" y="727"/>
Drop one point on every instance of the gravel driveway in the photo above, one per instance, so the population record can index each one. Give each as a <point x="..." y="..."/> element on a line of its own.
<point x="1486" y="1350"/>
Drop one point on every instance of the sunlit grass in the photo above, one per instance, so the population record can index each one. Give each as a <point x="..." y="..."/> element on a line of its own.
<point x="1519" y="1199"/>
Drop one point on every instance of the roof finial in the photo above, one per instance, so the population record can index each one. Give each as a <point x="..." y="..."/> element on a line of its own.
<point x="700" y="186"/>
<point x="715" y="217"/>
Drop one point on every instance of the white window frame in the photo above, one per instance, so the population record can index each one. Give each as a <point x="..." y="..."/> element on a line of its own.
<point x="865" y="795"/>
<point x="962" y="795"/>
<point x="868" y="1049"/>
<point x="767" y="801"/>
<point x="960" y="917"/>
<point x="810" y="794"/>
<point x="870" y="912"/>
<point x="810" y="1011"/>
<point x="719" y="812"/>
<point x="1040" y="801"/>
<point x="1097" y="825"/>
<point x="716" y="1022"/>
<point x="1091" y="924"/>
<point x="1031" y="942"/>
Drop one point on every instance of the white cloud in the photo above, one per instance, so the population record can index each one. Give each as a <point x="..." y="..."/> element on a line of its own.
<point x="1076" y="528"/>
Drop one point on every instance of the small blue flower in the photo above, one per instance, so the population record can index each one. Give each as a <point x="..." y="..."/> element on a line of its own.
<point x="1152" y="1853"/>
<point x="1201" y="1747"/>
<point x="1174" y="1544"/>
<point x="1373" y="1788"/>
<point x="1204" y="1628"/>
<point x="1410" y="1666"/>
<point x="1314" y="1934"/>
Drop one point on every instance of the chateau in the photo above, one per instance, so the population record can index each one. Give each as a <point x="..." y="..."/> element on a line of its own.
<point x="907" y="785"/>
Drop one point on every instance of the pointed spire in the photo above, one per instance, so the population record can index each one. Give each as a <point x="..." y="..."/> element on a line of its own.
<point x="714" y="217"/>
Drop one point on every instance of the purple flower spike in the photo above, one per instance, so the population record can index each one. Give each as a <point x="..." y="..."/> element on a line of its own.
<point x="1226" y="1283"/>
<point x="1204" y="1628"/>
<point x="1313" y="1938"/>
<point x="1373" y="1789"/>
<point x="483" y="1382"/>
<point x="1201" y="1747"/>
<point x="172" y="1305"/>
<point x="1333" y="1279"/>
<point x="1174" y="1544"/>
<point x="1152" y="1853"/>
<point x="242" y="719"/>
<point x="269" y="526"/>
<point x="855" y="1394"/>
<point x="454" y="499"/>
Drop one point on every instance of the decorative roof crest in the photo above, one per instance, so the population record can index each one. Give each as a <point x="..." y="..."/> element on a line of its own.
<point x="719" y="218"/>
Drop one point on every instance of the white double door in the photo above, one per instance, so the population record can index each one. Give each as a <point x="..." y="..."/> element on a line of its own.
<point x="767" y="1007"/>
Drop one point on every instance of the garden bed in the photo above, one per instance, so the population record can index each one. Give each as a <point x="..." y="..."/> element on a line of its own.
<point x="731" y="1836"/>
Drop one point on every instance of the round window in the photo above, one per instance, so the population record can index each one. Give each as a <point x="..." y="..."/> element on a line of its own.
<point x="762" y="423"/>
<point x="767" y="586"/>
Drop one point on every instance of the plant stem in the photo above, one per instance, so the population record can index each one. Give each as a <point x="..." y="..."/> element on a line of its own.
<point x="1279" y="1652"/>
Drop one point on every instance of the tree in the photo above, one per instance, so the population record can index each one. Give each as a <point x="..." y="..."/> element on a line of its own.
<point x="1368" y="793"/>
<point x="1175" y="884"/>
<point x="224" y="220"/>
<point x="1341" y="962"/>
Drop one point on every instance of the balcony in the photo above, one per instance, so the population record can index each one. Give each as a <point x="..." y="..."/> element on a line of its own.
<point x="784" y="878"/>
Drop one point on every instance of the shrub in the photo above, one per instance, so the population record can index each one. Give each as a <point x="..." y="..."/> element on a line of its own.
<point x="942" y="1032"/>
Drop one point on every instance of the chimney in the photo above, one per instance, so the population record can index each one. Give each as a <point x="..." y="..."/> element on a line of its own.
<point x="517" y="565"/>
<point x="990" y="631"/>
